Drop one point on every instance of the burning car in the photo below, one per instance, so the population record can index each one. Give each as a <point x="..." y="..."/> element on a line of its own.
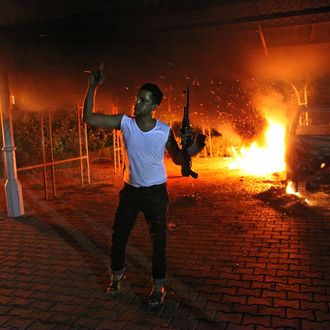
<point x="308" y="149"/>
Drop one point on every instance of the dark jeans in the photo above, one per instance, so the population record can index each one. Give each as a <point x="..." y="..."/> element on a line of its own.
<point x="152" y="201"/>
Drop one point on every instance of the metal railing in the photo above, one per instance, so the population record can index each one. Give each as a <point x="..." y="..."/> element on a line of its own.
<point x="46" y="164"/>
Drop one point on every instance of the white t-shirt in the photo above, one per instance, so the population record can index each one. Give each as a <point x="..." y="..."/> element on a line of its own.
<point x="144" y="153"/>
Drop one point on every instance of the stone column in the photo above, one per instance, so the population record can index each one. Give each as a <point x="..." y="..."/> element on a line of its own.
<point x="13" y="188"/>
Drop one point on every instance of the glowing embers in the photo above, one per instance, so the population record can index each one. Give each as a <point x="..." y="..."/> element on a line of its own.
<point x="263" y="158"/>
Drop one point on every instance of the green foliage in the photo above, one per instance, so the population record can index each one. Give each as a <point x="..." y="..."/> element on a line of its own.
<point x="27" y="136"/>
<point x="99" y="138"/>
<point x="64" y="133"/>
<point x="65" y="137"/>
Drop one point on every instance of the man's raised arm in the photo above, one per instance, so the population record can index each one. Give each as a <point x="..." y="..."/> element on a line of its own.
<point x="98" y="119"/>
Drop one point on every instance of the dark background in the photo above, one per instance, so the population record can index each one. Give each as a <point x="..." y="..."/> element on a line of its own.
<point x="215" y="47"/>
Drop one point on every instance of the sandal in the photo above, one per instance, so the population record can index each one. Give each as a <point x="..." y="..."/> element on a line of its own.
<point x="156" y="299"/>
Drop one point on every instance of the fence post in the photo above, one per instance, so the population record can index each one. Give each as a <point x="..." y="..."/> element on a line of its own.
<point x="117" y="147"/>
<point x="210" y="141"/>
<point x="80" y="148"/>
<point x="52" y="153"/>
<point x="44" y="168"/>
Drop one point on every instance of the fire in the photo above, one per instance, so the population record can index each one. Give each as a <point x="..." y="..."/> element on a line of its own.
<point x="290" y="190"/>
<point x="263" y="159"/>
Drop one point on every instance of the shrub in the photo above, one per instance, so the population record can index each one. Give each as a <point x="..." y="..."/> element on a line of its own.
<point x="28" y="140"/>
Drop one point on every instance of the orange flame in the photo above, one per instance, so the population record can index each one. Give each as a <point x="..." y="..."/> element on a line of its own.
<point x="263" y="159"/>
<point x="290" y="190"/>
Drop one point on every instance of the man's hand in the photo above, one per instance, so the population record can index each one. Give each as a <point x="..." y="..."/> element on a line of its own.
<point x="187" y="137"/>
<point x="97" y="77"/>
<point x="189" y="133"/>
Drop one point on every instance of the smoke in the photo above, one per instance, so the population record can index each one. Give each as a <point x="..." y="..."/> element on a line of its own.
<point x="43" y="90"/>
<point x="302" y="63"/>
<point x="279" y="80"/>
<point x="219" y="65"/>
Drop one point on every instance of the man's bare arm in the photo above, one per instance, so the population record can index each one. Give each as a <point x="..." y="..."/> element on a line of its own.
<point x="98" y="119"/>
<point x="173" y="149"/>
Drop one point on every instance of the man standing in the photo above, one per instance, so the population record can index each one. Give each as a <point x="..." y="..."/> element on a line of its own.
<point x="145" y="141"/>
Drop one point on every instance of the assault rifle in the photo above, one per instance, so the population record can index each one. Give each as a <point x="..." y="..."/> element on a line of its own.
<point x="189" y="146"/>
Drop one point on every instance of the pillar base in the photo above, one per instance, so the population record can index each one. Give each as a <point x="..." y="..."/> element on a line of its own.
<point x="14" y="198"/>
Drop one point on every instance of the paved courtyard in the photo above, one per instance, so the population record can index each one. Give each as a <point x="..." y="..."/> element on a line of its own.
<point x="241" y="255"/>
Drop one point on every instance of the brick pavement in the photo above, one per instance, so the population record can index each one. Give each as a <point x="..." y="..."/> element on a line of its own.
<point x="234" y="262"/>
